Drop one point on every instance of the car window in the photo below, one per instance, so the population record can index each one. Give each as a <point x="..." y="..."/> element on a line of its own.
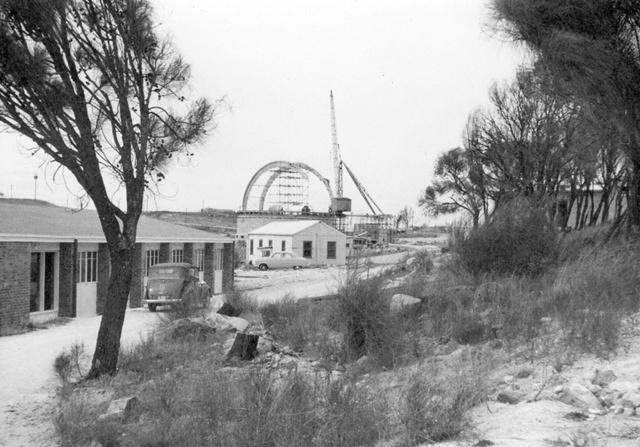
<point x="277" y="255"/>
<point x="165" y="272"/>
<point x="287" y="255"/>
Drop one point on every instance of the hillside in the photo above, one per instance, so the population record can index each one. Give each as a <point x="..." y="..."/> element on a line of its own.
<point x="208" y="219"/>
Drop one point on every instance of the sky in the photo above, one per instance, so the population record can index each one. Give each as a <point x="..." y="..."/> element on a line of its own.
<point x="405" y="76"/>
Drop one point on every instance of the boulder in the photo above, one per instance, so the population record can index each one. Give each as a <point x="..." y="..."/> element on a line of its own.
<point x="579" y="396"/>
<point x="509" y="397"/>
<point x="228" y="324"/>
<point x="402" y="302"/>
<point x="409" y="262"/>
<point x="603" y="378"/>
<point x="631" y="399"/>
<point x="228" y="310"/>
<point x="623" y="386"/>
<point x="189" y="327"/>
<point x="121" y="409"/>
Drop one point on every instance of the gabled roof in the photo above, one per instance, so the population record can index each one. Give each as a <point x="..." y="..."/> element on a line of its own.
<point x="287" y="227"/>
<point x="30" y="220"/>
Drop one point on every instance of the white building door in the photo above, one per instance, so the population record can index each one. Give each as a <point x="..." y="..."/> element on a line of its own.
<point x="87" y="286"/>
<point x="217" y="271"/>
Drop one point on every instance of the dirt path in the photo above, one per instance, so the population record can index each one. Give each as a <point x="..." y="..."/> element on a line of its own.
<point x="27" y="395"/>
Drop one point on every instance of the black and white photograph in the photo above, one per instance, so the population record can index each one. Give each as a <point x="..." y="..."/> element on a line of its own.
<point x="320" y="223"/>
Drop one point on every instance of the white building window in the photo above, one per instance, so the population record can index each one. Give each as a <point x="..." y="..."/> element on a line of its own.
<point x="88" y="266"/>
<point x="177" y="255"/>
<point x="198" y="259"/>
<point x="152" y="258"/>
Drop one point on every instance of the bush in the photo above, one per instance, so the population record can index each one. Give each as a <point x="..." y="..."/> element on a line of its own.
<point x="518" y="239"/>
<point x="292" y="322"/>
<point x="436" y="402"/>
<point x="367" y="325"/>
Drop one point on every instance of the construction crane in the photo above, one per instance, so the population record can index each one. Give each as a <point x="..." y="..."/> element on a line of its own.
<point x="335" y="152"/>
<point x="375" y="209"/>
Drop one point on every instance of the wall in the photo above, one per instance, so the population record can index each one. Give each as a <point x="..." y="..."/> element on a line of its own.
<point x="319" y="235"/>
<point x="277" y="245"/>
<point x="15" y="267"/>
<point x="228" y="267"/>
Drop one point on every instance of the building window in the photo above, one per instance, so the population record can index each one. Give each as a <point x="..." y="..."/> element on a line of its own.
<point x="307" y="248"/>
<point x="177" y="255"/>
<point x="259" y="243"/>
<point x="153" y="257"/>
<point x="88" y="266"/>
<point x="284" y="245"/>
<point x="250" y="247"/>
<point x="270" y="244"/>
<point x="331" y="249"/>
<point x="199" y="258"/>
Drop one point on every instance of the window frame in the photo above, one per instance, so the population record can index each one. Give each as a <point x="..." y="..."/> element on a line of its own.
<point x="308" y="247"/>
<point x="331" y="249"/>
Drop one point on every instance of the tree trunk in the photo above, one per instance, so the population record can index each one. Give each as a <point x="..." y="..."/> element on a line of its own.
<point x="105" y="357"/>
<point x="633" y="202"/>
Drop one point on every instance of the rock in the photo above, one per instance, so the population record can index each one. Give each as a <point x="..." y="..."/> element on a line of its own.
<point x="228" y="324"/>
<point x="631" y="399"/>
<point x="524" y="373"/>
<point x="623" y="386"/>
<point x="579" y="396"/>
<point x="629" y="412"/>
<point x="228" y="310"/>
<point x="244" y="346"/>
<point x="265" y="345"/>
<point x="121" y="409"/>
<point x="446" y="348"/>
<point x="597" y="412"/>
<point x="190" y="327"/>
<point x="409" y="262"/>
<point x="402" y="302"/>
<point x="509" y="397"/>
<point x="595" y="389"/>
<point x="508" y="379"/>
<point x="603" y="378"/>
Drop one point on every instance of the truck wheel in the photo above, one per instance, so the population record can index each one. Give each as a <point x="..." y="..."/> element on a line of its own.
<point x="263" y="267"/>
<point x="153" y="307"/>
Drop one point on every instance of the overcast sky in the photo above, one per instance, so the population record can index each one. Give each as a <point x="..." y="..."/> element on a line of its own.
<point x="405" y="76"/>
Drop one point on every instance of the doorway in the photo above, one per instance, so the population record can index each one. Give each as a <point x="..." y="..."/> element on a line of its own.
<point x="42" y="288"/>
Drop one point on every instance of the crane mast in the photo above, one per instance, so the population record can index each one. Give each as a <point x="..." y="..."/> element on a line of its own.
<point x="335" y="152"/>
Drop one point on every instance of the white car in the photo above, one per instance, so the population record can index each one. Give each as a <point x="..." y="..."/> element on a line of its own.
<point x="281" y="260"/>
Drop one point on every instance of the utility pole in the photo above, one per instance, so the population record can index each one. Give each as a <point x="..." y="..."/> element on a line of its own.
<point x="335" y="151"/>
<point x="35" y="186"/>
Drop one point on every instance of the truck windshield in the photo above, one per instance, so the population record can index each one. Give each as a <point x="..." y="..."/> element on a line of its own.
<point x="166" y="272"/>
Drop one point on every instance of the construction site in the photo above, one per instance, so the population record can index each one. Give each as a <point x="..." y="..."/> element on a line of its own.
<point x="281" y="190"/>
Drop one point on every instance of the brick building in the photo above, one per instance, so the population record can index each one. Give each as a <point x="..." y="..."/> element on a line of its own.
<point x="55" y="262"/>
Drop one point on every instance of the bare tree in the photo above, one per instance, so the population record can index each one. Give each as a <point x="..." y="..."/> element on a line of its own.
<point x="94" y="87"/>
<point x="405" y="216"/>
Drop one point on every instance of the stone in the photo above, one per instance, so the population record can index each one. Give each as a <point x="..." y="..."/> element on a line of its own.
<point x="265" y="345"/>
<point x="121" y="409"/>
<point x="447" y="348"/>
<point x="228" y="324"/>
<point x="409" y="262"/>
<point x="623" y="386"/>
<point x="509" y="397"/>
<point x="631" y="399"/>
<point x="401" y="302"/>
<point x="524" y="373"/>
<point x="595" y="389"/>
<point x="190" y="327"/>
<point x="629" y="412"/>
<point x="508" y="379"/>
<point x="228" y="310"/>
<point x="579" y="396"/>
<point x="603" y="378"/>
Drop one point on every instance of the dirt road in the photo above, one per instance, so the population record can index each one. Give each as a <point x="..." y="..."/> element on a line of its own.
<point x="27" y="395"/>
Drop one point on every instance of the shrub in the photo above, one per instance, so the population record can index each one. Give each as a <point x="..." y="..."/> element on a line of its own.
<point x="241" y="301"/>
<point x="436" y="402"/>
<point x="518" y="239"/>
<point x="365" y="321"/>
<point x="292" y="322"/>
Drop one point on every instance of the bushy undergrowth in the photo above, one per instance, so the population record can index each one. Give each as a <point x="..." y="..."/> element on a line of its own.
<point x="435" y="404"/>
<point x="292" y="322"/>
<point x="204" y="406"/>
<point x="518" y="239"/>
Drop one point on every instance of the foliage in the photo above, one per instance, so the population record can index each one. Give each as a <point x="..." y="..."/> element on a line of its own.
<point x="93" y="86"/>
<point x="518" y="239"/>
<point x="435" y="404"/>
<point x="293" y="323"/>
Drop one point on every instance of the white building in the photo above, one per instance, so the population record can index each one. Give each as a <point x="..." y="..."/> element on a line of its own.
<point x="311" y="239"/>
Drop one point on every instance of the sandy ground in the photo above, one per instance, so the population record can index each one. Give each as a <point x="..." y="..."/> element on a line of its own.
<point x="272" y="285"/>
<point x="27" y="395"/>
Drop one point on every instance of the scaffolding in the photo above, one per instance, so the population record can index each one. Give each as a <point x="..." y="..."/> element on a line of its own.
<point x="280" y="189"/>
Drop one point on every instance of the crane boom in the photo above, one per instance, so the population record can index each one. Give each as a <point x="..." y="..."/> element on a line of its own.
<point x="335" y="152"/>
<point x="365" y="195"/>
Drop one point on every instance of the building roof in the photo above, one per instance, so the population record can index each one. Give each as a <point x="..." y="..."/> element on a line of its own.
<point x="287" y="227"/>
<point x="37" y="221"/>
